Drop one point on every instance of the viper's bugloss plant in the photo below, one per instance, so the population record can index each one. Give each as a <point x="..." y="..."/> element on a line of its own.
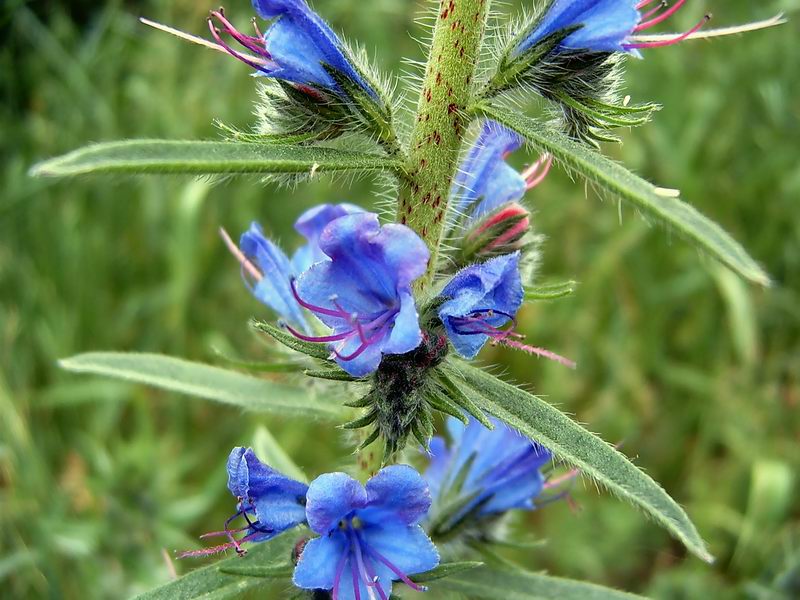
<point x="377" y="318"/>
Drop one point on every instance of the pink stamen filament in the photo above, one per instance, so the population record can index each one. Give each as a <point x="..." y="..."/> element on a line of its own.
<point x="321" y="339"/>
<point x="250" y="61"/>
<point x="644" y="3"/>
<point x="253" y="44"/>
<point x="555" y="482"/>
<point x="403" y="577"/>
<point x="359" y="328"/>
<point x="660" y="18"/>
<point x="663" y="4"/>
<point x="532" y="180"/>
<point x="337" y="577"/>
<point x="672" y="41"/>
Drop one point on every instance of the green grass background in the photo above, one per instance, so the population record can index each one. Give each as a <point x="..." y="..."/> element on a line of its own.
<point x="698" y="373"/>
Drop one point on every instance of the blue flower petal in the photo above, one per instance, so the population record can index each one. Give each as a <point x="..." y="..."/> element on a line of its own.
<point x="274" y="288"/>
<point x="485" y="181"/>
<point x="310" y="225"/>
<point x="330" y="498"/>
<point x="277" y="500"/>
<point x="491" y="286"/>
<point x="396" y="494"/>
<point x="318" y="562"/>
<point x="409" y="549"/>
<point x="438" y="465"/>
<point x="405" y="334"/>
<point x="368" y="277"/>
<point x="300" y="41"/>
<point x="606" y="24"/>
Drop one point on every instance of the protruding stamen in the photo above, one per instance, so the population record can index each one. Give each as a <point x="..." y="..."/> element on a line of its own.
<point x="661" y="6"/>
<point x="402" y="576"/>
<point x="556" y="481"/>
<point x="542" y="169"/>
<point x="644" y="3"/>
<point x="671" y="41"/>
<point x="337" y="577"/>
<point x="320" y="339"/>
<point x="313" y="307"/>
<point x="660" y="18"/>
<point x="253" y="44"/>
<point x="250" y="61"/>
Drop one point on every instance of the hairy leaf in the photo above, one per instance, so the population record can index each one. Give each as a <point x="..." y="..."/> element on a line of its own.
<point x="570" y="442"/>
<point x="197" y="157"/>
<point x="488" y="582"/>
<point x="204" y="381"/>
<point x="638" y="193"/>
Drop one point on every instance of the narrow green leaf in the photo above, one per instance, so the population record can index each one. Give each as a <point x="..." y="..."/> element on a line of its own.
<point x="575" y="445"/>
<point x="201" y="157"/>
<point x="640" y="194"/>
<point x="214" y="582"/>
<point x="330" y="374"/>
<point x="492" y="583"/>
<point x="279" y="571"/>
<point x="204" y="381"/>
<point x="445" y="570"/>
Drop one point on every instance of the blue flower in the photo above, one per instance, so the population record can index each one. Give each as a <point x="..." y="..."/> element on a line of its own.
<point x="296" y="47"/>
<point x="271" y="271"/>
<point x="485" y="472"/>
<point x="604" y="25"/>
<point x="369" y="535"/>
<point x="363" y="293"/>
<point x="479" y="300"/>
<point x="485" y="181"/>
<point x="269" y="502"/>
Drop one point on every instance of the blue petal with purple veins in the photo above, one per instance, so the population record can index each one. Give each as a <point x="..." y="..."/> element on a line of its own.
<point x="363" y="293"/>
<point x="605" y="25"/>
<point x="479" y="300"/>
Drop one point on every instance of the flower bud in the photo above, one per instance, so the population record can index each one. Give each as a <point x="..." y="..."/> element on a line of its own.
<point x="503" y="231"/>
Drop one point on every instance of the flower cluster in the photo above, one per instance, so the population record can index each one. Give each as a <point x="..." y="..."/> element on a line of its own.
<point x="369" y="535"/>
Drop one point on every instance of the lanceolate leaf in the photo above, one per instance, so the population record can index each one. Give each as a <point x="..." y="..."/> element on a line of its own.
<point x="193" y="157"/>
<point x="204" y="381"/>
<point x="570" y="442"/>
<point x="488" y="582"/>
<point x="231" y="577"/>
<point x="634" y="190"/>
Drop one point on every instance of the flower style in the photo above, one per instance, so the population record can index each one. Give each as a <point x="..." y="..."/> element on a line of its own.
<point x="369" y="535"/>
<point x="363" y="293"/>
<point x="269" y="271"/>
<point x="298" y="47"/>
<point x="604" y="25"/>
<point x="269" y="502"/>
<point x="484" y="472"/>
<point x="485" y="181"/>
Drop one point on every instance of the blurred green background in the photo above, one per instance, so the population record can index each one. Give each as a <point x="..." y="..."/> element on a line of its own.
<point x="698" y="373"/>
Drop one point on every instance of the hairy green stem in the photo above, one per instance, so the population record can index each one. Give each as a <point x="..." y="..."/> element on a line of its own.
<point x="441" y="121"/>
